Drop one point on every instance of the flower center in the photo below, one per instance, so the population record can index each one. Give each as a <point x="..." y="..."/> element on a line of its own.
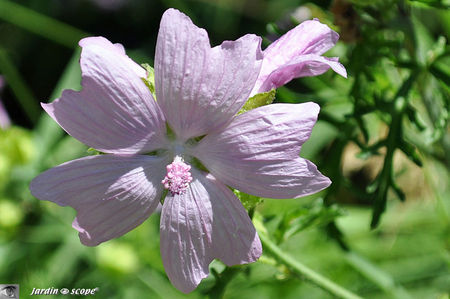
<point x="178" y="176"/>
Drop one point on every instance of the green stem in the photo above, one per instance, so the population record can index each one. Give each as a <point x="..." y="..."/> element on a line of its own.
<point x="40" y="24"/>
<point x="222" y="280"/>
<point x="302" y="270"/>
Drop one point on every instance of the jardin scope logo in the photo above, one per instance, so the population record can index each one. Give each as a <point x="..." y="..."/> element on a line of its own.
<point x="63" y="291"/>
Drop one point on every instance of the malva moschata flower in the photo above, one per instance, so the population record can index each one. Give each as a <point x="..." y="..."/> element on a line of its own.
<point x="163" y="146"/>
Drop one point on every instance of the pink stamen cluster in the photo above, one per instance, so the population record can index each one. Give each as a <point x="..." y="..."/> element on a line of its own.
<point x="178" y="177"/>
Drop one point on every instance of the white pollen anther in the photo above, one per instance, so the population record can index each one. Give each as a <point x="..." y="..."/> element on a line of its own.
<point x="178" y="176"/>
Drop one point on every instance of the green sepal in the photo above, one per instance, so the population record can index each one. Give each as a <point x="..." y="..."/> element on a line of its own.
<point x="248" y="201"/>
<point x="93" y="151"/>
<point x="199" y="165"/>
<point x="150" y="80"/>
<point x="163" y="196"/>
<point x="170" y="133"/>
<point x="258" y="100"/>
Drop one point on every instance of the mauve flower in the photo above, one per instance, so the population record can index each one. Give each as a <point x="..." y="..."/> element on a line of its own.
<point x="5" y="122"/>
<point x="157" y="147"/>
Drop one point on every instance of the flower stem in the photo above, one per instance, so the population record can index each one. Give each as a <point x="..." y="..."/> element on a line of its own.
<point x="222" y="280"/>
<point x="309" y="274"/>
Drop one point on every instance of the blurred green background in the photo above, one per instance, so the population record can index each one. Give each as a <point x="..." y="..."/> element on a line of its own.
<point x="382" y="135"/>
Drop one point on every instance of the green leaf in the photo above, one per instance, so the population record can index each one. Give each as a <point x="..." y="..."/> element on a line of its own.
<point x="317" y="214"/>
<point x="423" y="40"/>
<point x="410" y="152"/>
<point x="399" y="192"/>
<point x="367" y="152"/>
<point x="444" y="4"/>
<point x="438" y="50"/>
<point x="362" y="127"/>
<point x="376" y="275"/>
<point x="414" y="118"/>
<point x="258" y="100"/>
<point x="441" y="73"/>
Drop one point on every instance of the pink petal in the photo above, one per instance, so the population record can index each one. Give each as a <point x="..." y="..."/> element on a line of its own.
<point x="258" y="152"/>
<point x="310" y="38"/>
<point x="200" y="89"/>
<point x="206" y="222"/>
<point x="115" y="111"/>
<point x="112" y="194"/>
<point x="301" y="66"/>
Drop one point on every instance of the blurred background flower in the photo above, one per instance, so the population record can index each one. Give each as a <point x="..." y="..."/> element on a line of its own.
<point x="4" y="118"/>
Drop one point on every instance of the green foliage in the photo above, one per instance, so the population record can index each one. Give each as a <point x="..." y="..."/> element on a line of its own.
<point x="16" y="145"/>
<point x="445" y="4"/>
<point x="397" y="76"/>
<point x="16" y="149"/>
